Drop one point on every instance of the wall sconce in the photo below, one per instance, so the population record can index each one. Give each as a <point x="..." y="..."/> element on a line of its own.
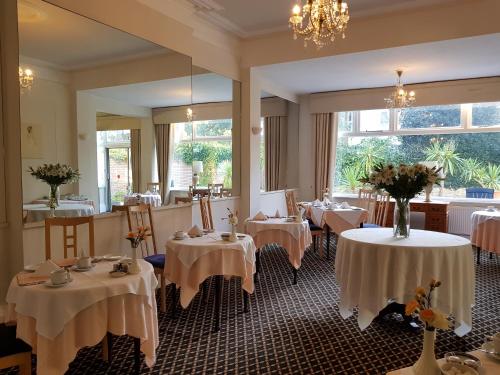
<point x="256" y="130"/>
<point x="82" y="136"/>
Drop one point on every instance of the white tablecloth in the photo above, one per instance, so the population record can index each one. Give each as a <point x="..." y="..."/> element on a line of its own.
<point x="338" y="219"/>
<point x="372" y="266"/>
<point x="485" y="232"/>
<point x="153" y="199"/>
<point x="58" y="322"/>
<point x="210" y="256"/>
<point x="65" y="201"/>
<point x="39" y="212"/>
<point x="252" y="227"/>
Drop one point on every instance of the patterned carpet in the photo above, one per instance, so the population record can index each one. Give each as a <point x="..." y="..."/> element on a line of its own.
<point x="292" y="329"/>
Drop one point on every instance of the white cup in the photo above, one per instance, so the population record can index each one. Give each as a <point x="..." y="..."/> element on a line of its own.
<point x="59" y="277"/>
<point x="495" y="339"/>
<point x="490" y="208"/>
<point x="179" y="234"/>
<point x="84" y="262"/>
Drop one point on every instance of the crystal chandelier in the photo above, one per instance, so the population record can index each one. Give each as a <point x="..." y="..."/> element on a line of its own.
<point x="400" y="98"/>
<point x="189" y="114"/>
<point x="320" y="21"/>
<point x="25" y="78"/>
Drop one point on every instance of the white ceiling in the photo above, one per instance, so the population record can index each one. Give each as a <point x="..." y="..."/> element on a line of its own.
<point x="254" y="17"/>
<point x="446" y="60"/>
<point x="68" y="41"/>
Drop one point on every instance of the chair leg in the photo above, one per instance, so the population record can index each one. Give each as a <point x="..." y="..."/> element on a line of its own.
<point x="173" y="292"/>
<point x="478" y="250"/>
<point x="245" y="301"/>
<point x="137" y="355"/>
<point x="107" y="348"/>
<point x="491" y="255"/>
<point x="321" y="246"/>
<point x="163" y="294"/>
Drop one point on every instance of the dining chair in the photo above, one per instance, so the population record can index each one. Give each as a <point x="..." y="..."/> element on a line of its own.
<point x="367" y="199"/>
<point x="140" y="216"/>
<point x="291" y="202"/>
<point x="13" y="351"/>
<point x="183" y="200"/>
<point x="70" y="240"/>
<point x="381" y="212"/>
<point x="154" y="187"/>
<point x="206" y="213"/>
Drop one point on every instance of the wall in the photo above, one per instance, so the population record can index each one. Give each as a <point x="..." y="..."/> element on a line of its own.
<point x="48" y="109"/>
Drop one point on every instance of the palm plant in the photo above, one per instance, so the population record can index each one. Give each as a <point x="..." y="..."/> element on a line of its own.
<point x="350" y="175"/>
<point x="371" y="154"/>
<point x="489" y="176"/>
<point x="445" y="154"/>
<point x="470" y="168"/>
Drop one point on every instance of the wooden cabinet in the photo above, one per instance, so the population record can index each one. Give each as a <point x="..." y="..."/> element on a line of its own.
<point x="436" y="214"/>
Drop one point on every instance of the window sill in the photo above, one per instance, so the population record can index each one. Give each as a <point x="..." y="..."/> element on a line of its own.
<point x="453" y="200"/>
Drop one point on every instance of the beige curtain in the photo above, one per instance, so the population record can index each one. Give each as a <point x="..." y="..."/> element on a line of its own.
<point x="135" y="159"/>
<point x="163" y="149"/>
<point x="275" y="152"/>
<point x="323" y="136"/>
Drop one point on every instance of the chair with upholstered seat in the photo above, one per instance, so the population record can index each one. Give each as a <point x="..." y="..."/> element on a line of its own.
<point x="13" y="351"/>
<point x="70" y="240"/>
<point x="381" y="212"/>
<point x="481" y="193"/>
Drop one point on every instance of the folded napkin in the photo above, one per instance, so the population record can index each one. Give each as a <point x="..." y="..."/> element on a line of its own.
<point x="148" y="192"/>
<point x="326" y="201"/>
<point x="277" y="214"/>
<point x="260" y="216"/>
<point x="345" y="205"/>
<point x="26" y="279"/>
<point x="46" y="268"/>
<point x="316" y="202"/>
<point x="195" y="231"/>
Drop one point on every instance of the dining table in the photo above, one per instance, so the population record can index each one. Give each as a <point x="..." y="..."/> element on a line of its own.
<point x="39" y="212"/>
<point x="373" y="267"/>
<point x="295" y="237"/>
<point x="191" y="260"/>
<point x="152" y="199"/>
<point x="335" y="218"/>
<point x="485" y="231"/>
<point x="58" y="321"/>
<point x="65" y="201"/>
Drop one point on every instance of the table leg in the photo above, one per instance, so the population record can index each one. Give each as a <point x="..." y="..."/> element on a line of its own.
<point x="245" y="301"/>
<point x="257" y="266"/>
<point x="327" y="242"/>
<point x="137" y="355"/>
<point x="204" y="291"/>
<point x="295" y="271"/>
<point x="478" y="251"/>
<point x="218" y="292"/>
<point x="107" y="348"/>
<point x="173" y="293"/>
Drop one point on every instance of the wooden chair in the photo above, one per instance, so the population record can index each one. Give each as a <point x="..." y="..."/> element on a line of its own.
<point x="13" y="351"/>
<point x="70" y="240"/>
<point x="367" y="199"/>
<point x="206" y="213"/>
<point x="216" y="189"/>
<point x="381" y="212"/>
<point x="140" y="216"/>
<point x="154" y="187"/>
<point x="183" y="200"/>
<point x="291" y="202"/>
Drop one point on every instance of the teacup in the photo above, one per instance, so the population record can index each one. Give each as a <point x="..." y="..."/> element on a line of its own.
<point x="495" y="339"/>
<point x="490" y="208"/>
<point x="84" y="262"/>
<point x="179" y="234"/>
<point x="58" y="277"/>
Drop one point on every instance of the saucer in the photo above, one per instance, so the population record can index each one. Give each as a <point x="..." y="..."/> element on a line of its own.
<point x="487" y="347"/>
<point x="81" y="269"/>
<point x="31" y="267"/>
<point x="452" y="368"/>
<point x="111" y="258"/>
<point x="117" y="274"/>
<point x="49" y="284"/>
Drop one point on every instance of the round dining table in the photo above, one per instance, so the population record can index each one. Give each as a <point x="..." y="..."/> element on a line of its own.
<point x="372" y="268"/>
<point x="152" y="199"/>
<point x="485" y="231"/>
<point x="65" y="319"/>
<point x="39" y="212"/>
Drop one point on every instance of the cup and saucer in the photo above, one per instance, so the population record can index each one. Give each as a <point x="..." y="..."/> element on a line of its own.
<point x="490" y="209"/>
<point x="83" y="264"/>
<point x="58" y="279"/>
<point x="179" y="235"/>
<point x="492" y="346"/>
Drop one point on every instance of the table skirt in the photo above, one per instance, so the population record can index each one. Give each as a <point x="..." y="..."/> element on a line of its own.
<point x="487" y="236"/>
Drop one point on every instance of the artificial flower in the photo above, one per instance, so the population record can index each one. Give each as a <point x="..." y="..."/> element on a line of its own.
<point x="427" y="315"/>
<point x="440" y="320"/>
<point x="411" y="307"/>
<point x="420" y="291"/>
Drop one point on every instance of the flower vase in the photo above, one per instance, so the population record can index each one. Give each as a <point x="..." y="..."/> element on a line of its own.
<point x="401" y="219"/>
<point x="53" y="197"/>
<point x="428" y="190"/>
<point x="427" y="364"/>
<point x="233" y="237"/>
<point x="133" y="267"/>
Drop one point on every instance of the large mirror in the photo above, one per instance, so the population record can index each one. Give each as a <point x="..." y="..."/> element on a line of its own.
<point x="88" y="97"/>
<point x="279" y="149"/>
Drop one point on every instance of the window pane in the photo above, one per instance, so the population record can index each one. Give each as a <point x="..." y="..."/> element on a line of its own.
<point x="374" y="120"/>
<point x="182" y="156"/>
<point x="345" y="120"/>
<point x="486" y="114"/>
<point x="216" y="157"/>
<point x="213" y="128"/>
<point x="440" y="116"/>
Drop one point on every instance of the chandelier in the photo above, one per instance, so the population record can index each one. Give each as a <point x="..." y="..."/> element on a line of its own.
<point x="25" y="78"/>
<point x="400" y="98"/>
<point x="189" y="114"/>
<point x="320" y="21"/>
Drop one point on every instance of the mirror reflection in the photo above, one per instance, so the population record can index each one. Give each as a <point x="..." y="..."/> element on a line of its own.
<point x="279" y="147"/>
<point x="88" y="96"/>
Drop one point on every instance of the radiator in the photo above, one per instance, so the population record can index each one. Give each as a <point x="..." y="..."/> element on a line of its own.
<point x="459" y="221"/>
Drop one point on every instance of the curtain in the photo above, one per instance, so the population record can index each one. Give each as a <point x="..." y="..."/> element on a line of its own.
<point x="275" y="152"/>
<point x="163" y="149"/>
<point x="135" y="159"/>
<point x="323" y="137"/>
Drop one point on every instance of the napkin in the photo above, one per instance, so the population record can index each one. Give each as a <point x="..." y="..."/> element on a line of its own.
<point x="326" y="201"/>
<point x="260" y="216"/>
<point x="277" y="214"/>
<point x="195" y="231"/>
<point x="345" y="205"/>
<point x="148" y="192"/>
<point x="316" y="202"/>
<point x="46" y="268"/>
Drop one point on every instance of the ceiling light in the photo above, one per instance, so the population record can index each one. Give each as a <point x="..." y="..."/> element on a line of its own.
<point x="400" y="98"/>
<point x="320" y="21"/>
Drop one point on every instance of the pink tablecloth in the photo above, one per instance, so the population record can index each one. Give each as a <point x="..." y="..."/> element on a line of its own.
<point x="227" y="261"/>
<point x="339" y="219"/>
<point x="486" y="230"/>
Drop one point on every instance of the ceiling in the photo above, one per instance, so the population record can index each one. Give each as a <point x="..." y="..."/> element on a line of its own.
<point x="439" y="61"/>
<point x="253" y="17"/>
<point x="67" y="41"/>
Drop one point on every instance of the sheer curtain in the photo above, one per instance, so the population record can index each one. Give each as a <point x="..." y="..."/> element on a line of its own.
<point x="135" y="159"/>
<point x="324" y="156"/>
<point x="163" y="140"/>
<point x="275" y="152"/>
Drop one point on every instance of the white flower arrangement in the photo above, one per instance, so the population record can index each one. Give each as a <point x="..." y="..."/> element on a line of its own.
<point x="55" y="174"/>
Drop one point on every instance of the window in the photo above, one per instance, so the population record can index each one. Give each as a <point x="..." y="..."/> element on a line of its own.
<point x="346" y="121"/>
<point x="374" y="120"/>
<point x="439" y="116"/>
<point x="207" y="141"/>
<point x="485" y="114"/>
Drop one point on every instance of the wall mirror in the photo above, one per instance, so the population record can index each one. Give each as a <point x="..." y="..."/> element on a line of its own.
<point x="279" y="150"/>
<point x="88" y="94"/>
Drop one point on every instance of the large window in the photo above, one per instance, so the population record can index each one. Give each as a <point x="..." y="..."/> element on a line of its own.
<point x="464" y="139"/>
<point x="207" y="141"/>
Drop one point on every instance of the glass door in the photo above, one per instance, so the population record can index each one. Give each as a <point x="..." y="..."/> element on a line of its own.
<point x="118" y="175"/>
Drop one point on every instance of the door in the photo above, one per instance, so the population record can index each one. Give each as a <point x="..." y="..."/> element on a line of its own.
<point x="118" y="175"/>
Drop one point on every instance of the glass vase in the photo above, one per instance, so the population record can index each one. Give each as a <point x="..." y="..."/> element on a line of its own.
<point x="54" y="195"/>
<point x="427" y="364"/>
<point x="401" y="219"/>
<point x="428" y="190"/>
<point x="134" y="267"/>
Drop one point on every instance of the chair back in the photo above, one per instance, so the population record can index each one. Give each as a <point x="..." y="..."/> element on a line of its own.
<point x="154" y="187"/>
<point x="183" y="200"/>
<point x="382" y="210"/>
<point x="367" y="199"/>
<point x="140" y="216"/>
<point x="291" y="202"/>
<point x="482" y="193"/>
<point x="206" y="213"/>
<point x="70" y="240"/>
<point x="216" y="189"/>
